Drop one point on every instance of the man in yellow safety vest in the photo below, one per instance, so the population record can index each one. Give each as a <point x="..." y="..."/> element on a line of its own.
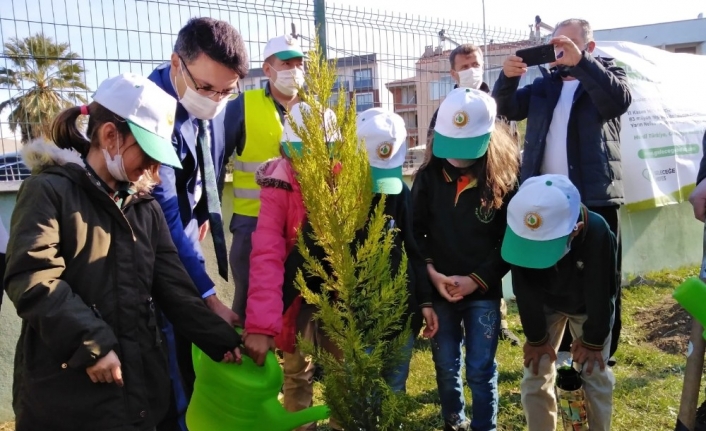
<point x="255" y="122"/>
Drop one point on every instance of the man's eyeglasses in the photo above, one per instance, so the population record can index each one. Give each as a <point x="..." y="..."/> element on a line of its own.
<point x="204" y="91"/>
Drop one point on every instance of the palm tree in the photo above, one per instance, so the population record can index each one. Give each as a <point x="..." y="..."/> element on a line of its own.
<point x="47" y="78"/>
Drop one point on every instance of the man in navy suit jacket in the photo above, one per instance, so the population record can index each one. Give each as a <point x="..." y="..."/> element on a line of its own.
<point x="208" y="60"/>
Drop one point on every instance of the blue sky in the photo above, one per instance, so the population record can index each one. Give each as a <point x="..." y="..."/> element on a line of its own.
<point x="115" y="36"/>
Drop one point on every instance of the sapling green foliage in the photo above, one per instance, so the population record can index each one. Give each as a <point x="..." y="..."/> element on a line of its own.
<point x="362" y="304"/>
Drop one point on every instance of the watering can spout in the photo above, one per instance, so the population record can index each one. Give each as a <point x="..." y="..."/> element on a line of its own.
<point x="276" y="418"/>
<point x="230" y="397"/>
<point x="691" y="295"/>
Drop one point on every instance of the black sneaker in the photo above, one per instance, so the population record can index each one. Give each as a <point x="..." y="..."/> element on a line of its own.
<point x="463" y="426"/>
<point x="507" y="335"/>
<point x="318" y="373"/>
<point x="700" y="424"/>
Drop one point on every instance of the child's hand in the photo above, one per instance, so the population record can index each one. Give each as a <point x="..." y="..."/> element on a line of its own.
<point x="234" y="356"/>
<point x="442" y="283"/>
<point x="431" y="322"/>
<point x="106" y="370"/>
<point x="257" y="346"/>
<point x="586" y="357"/>
<point x="463" y="286"/>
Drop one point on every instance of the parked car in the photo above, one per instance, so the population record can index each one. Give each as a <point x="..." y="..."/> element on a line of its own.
<point x="12" y="168"/>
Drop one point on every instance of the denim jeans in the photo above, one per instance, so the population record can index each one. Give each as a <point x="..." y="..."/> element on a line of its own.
<point x="397" y="380"/>
<point x="477" y="328"/>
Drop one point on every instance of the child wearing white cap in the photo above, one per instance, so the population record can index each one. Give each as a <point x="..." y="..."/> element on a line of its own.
<point x="90" y="261"/>
<point x="563" y="259"/>
<point x="275" y="309"/>
<point x="459" y="198"/>
<point x="384" y="135"/>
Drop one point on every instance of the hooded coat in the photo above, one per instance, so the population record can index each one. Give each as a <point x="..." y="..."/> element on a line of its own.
<point x="86" y="277"/>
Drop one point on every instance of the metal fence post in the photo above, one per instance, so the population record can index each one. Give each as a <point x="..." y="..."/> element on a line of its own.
<point x="320" y="24"/>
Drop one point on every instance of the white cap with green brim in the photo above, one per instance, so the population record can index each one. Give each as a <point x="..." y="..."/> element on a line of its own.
<point x="283" y="47"/>
<point x="148" y="111"/>
<point x="291" y="142"/>
<point x="385" y="137"/>
<point x="464" y="123"/>
<point x="540" y="218"/>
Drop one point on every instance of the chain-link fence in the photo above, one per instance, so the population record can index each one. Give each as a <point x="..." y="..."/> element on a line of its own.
<point x="66" y="47"/>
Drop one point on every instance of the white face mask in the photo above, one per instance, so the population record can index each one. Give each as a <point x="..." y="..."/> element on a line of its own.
<point x="200" y="106"/>
<point x="289" y="81"/>
<point x="470" y="78"/>
<point x="461" y="163"/>
<point x="115" y="165"/>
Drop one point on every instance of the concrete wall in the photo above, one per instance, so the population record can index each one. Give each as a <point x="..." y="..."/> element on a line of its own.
<point x="665" y="35"/>
<point x="667" y="237"/>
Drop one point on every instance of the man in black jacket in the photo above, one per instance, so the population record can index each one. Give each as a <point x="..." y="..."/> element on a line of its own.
<point x="563" y="259"/>
<point x="698" y="196"/>
<point x="698" y="201"/>
<point x="573" y="123"/>
<point x="467" y="71"/>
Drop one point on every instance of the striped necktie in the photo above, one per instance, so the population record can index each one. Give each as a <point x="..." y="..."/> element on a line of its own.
<point x="210" y="185"/>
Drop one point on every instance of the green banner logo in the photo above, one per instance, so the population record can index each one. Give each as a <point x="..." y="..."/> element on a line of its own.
<point x="633" y="73"/>
<point x="671" y="151"/>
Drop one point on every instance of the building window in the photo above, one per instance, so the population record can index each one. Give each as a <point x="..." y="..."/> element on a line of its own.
<point x="263" y="82"/>
<point x="363" y="101"/>
<point x="333" y="100"/>
<point x="442" y="87"/>
<point x="408" y="95"/>
<point x="341" y="84"/>
<point x="363" y="78"/>
<point x="685" y="50"/>
<point x="410" y="120"/>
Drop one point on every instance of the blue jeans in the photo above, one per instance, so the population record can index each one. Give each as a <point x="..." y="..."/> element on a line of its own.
<point x="481" y="321"/>
<point x="397" y="380"/>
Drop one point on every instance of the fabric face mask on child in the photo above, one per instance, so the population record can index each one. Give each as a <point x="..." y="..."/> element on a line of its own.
<point x="115" y="165"/>
<point x="461" y="163"/>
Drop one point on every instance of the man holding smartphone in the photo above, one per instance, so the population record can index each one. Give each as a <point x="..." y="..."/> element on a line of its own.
<point x="573" y="124"/>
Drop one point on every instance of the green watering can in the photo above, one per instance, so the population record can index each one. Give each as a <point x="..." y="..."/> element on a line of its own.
<point x="232" y="397"/>
<point x="691" y="295"/>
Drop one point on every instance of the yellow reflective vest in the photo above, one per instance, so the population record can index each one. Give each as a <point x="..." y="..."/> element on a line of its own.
<point x="263" y="133"/>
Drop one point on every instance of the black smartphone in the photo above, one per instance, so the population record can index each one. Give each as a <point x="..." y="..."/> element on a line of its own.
<point x="537" y="55"/>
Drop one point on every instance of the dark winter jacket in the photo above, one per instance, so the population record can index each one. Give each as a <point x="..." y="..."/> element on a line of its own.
<point x="702" y="167"/>
<point x="86" y="277"/>
<point x="582" y="282"/>
<point x="593" y="136"/>
<point x="455" y="233"/>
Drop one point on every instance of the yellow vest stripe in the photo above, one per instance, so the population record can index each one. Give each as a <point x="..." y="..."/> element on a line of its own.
<point x="263" y="134"/>
<point x="247" y="166"/>
<point x="246" y="193"/>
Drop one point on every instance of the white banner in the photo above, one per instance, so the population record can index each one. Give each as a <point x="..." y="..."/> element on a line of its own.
<point x="663" y="130"/>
